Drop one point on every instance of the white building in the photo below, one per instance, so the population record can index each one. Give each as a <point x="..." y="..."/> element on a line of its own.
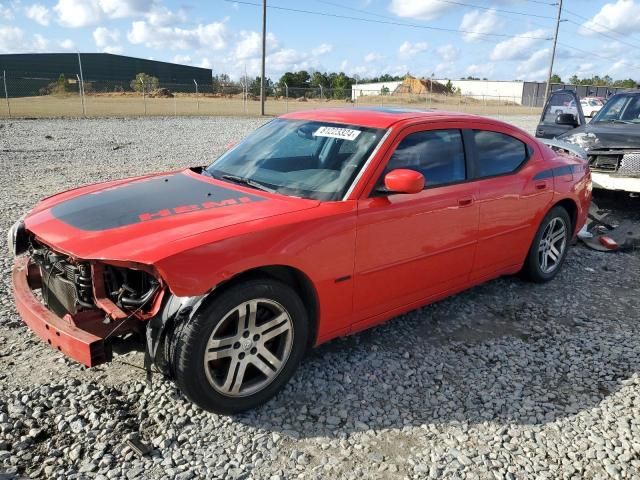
<point x="363" y="89"/>
<point x="503" y="91"/>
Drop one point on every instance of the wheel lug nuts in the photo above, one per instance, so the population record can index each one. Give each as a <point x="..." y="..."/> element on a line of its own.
<point x="256" y="337"/>
<point x="236" y="345"/>
<point x="241" y="356"/>
<point x="254" y="350"/>
<point x="245" y="334"/>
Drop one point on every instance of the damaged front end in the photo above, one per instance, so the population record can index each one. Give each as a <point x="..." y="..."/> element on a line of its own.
<point x="80" y="307"/>
<point x="615" y="168"/>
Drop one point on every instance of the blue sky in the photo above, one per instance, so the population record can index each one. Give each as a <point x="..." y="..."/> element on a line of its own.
<point x="502" y="39"/>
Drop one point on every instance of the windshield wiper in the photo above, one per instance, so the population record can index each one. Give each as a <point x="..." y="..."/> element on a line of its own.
<point x="248" y="182"/>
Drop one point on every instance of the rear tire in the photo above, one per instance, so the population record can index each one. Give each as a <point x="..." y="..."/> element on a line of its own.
<point x="549" y="247"/>
<point x="240" y="348"/>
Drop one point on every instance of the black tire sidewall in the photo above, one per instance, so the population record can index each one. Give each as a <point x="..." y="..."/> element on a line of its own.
<point x="533" y="270"/>
<point x="191" y="339"/>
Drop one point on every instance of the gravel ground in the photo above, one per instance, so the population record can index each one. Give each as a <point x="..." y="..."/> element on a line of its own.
<point x="506" y="380"/>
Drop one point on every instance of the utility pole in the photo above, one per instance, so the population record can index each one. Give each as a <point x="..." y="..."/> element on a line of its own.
<point x="264" y="54"/>
<point x="553" y="52"/>
<point x="84" y="110"/>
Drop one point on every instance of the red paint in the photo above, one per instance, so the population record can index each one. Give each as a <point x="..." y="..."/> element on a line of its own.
<point x="404" y="181"/>
<point x="400" y="251"/>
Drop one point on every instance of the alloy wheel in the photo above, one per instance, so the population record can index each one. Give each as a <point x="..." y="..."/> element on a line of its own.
<point x="249" y="347"/>
<point x="552" y="245"/>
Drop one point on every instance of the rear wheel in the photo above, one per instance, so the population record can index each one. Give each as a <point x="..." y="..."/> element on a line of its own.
<point x="241" y="348"/>
<point x="549" y="248"/>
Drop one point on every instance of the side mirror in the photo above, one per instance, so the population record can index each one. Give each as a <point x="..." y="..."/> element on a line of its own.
<point x="404" y="181"/>
<point x="567" y="119"/>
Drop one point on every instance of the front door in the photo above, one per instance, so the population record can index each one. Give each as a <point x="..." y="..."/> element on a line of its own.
<point x="560" y="102"/>
<point x="412" y="247"/>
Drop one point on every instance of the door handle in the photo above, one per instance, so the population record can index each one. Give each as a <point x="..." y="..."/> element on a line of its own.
<point x="541" y="185"/>
<point x="465" y="202"/>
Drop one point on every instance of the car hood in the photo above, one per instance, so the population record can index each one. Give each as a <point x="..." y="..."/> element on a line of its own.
<point x="604" y="136"/>
<point x="138" y="219"/>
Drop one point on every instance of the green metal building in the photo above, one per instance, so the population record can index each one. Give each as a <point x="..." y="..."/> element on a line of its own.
<point x="29" y="73"/>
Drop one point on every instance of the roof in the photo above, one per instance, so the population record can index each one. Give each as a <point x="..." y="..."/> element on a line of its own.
<point x="372" y="117"/>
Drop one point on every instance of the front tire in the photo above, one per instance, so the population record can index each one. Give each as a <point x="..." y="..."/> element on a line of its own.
<point x="549" y="248"/>
<point x="242" y="347"/>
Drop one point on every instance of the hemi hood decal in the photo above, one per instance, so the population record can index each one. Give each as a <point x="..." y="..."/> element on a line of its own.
<point x="145" y="200"/>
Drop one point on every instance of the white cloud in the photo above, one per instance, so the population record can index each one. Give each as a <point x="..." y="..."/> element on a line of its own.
<point x="372" y="57"/>
<point x="518" y="47"/>
<point x="11" y="39"/>
<point x="322" y="49"/>
<point x="38" y="13"/>
<point x="14" y="40"/>
<point x="478" y="23"/>
<point x="205" y="63"/>
<point x="211" y="36"/>
<point x="535" y="67"/>
<point x="448" y="52"/>
<point x="83" y="13"/>
<point x="419" y="9"/>
<point x="67" y="44"/>
<point x="125" y="8"/>
<point x="185" y="59"/>
<point x="78" y="13"/>
<point x="622" y="16"/>
<point x="408" y="49"/>
<point x="585" y="69"/>
<point x="163" y="16"/>
<point x="113" y="49"/>
<point x="6" y="13"/>
<point x="444" y="69"/>
<point x="103" y="36"/>
<point x="485" y="70"/>
<point x="250" y="45"/>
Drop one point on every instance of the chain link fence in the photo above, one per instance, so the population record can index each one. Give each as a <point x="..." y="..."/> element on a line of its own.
<point x="71" y="97"/>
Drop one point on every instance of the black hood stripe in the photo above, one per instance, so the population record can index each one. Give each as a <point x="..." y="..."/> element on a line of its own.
<point x="146" y="200"/>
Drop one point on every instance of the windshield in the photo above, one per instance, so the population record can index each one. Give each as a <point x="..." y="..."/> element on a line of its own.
<point x="620" y="108"/>
<point x="301" y="158"/>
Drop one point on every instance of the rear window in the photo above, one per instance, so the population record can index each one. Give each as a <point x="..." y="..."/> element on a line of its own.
<point x="497" y="153"/>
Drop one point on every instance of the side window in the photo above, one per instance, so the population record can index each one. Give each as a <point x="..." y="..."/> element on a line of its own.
<point x="498" y="153"/>
<point x="437" y="154"/>
<point x="559" y="103"/>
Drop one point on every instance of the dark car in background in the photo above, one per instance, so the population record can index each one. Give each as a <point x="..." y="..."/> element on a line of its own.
<point x="611" y="139"/>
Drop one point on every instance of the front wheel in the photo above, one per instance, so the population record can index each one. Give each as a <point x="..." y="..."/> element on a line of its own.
<point x="549" y="248"/>
<point x="242" y="347"/>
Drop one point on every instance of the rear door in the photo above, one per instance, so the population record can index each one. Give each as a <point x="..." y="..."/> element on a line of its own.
<point x="560" y="102"/>
<point x="510" y="197"/>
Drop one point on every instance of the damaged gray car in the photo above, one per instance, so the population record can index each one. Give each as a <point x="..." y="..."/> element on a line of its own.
<point x="611" y="139"/>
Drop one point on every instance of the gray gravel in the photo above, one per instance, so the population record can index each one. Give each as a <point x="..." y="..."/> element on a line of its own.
<point x="507" y="380"/>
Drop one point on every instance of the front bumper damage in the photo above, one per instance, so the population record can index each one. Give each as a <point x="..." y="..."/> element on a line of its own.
<point x="84" y="337"/>
<point x="607" y="181"/>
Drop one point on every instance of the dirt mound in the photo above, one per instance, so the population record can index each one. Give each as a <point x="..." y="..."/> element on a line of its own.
<point x="161" y="93"/>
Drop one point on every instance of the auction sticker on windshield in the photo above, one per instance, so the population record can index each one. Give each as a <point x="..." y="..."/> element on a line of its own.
<point x="337" y="132"/>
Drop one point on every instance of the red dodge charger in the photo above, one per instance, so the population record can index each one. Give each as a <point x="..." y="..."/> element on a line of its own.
<point x="318" y="224"/>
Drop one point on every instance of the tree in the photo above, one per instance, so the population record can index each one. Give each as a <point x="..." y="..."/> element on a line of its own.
<point x="144" y="83"/>
<point x="556" y="78"/>
<point x="62" y="86"/>
<point x="384" y="90"/>
<point x="254" y="86"/>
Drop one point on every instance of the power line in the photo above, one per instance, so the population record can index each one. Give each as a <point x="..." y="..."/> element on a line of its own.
<point x="603" y="34"/>
<point x="512" y="12"/>
<point x="387" y="22"/>
<point x="595" y="23"/>
<point x="635" y="67"/>
<point x="366" y="12"/>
